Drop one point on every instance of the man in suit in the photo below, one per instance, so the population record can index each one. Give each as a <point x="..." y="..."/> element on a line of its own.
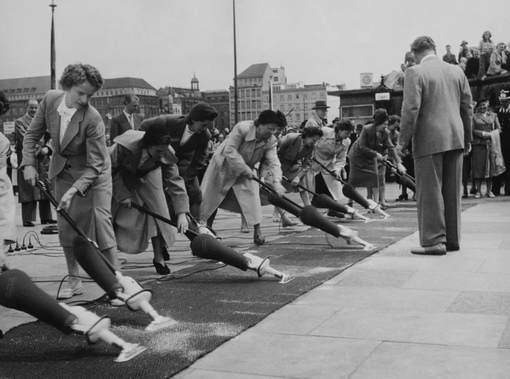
<point x="449" y="57"/>
<point x="189" y="138"/>
<point x="319" y="119"/>
<point x="129" y="119"/>
<point x="29" y="196"/>
<point x="436" y="113"/>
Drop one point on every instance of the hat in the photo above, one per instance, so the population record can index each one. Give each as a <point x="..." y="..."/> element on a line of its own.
<point x="155" y="131"/>
<point x="320" y="104"/>
<point x="464" y="42"/>
<point x="202" y="112"/>
<point x="503" y="95"/>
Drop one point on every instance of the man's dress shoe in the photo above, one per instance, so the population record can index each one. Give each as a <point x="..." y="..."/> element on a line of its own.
<point x="438" y="249"/>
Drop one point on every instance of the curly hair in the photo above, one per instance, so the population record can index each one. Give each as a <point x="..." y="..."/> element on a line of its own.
<point x="79" y="73"/>
<point x="344" y="124"/>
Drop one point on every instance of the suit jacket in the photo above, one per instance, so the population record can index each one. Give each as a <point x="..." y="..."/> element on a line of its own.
<point x="294" y="160"/>
<point x="437" y="110"/>
<point x="192" y="155"/>
<point x="120" y="124"/>
<point x="82" y="152"/>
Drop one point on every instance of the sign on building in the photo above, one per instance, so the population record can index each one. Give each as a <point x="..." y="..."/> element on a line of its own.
<point x="8" y="127"/>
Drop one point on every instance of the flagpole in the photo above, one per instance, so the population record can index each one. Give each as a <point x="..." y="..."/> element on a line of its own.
<point x="53" y="84"/>
<point x="236" y="109"/>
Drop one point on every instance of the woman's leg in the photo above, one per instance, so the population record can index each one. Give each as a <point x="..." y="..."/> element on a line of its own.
<point x="111" y="255"/>
<point x="73" y="268"/>
<point x="304" y="197"/>
<point x="489" y="188"/>
<point x="257" y="235"/>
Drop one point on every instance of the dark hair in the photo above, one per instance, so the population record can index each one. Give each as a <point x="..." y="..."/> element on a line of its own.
<point x="266" y="117"/>
<point x="380" y="116"/>
<point x="393" y="119"/>
<point x="156" y="134"/>
<point x="79" y="73"/>
<point x="344" y="124"/>
<point x="4" y="103"/>
<point x="422" y="44"/>
<point x="490" y="35"/>
<point x="312" y="131"/>
<point x="128" y="98"/>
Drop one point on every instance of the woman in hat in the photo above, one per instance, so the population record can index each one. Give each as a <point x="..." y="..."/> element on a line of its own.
<point x="367" y="154"/>
<point x="227" y="181"/>
<point x="144" y="167"/>
<point x="486" y="137"/>
<point x="80" y="164"/>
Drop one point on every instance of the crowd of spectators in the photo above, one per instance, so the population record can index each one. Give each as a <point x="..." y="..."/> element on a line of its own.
<point x="478" y="62"/>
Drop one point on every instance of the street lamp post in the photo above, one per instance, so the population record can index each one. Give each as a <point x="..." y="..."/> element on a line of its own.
<point x="53" y="84"/>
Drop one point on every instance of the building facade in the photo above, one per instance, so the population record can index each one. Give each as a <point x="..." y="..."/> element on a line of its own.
<point x="109" y="100"/>
<point x="219" y="99"/>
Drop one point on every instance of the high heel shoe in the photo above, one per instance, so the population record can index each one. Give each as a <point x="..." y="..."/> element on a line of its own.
<point x="161" y="269"/>
<point x="258" y="239"/>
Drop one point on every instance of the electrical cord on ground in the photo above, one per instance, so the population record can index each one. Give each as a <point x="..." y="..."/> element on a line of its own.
<point x="171" y="277"/>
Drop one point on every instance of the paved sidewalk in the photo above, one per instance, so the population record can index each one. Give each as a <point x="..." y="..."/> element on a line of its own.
<point x="393" y="315"/>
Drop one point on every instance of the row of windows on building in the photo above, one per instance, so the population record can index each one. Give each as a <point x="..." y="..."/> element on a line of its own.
<point x="136" y="91"/>
<point x="249" y="81"/>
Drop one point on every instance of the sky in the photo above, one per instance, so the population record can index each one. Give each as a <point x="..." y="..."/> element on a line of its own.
<point x="166" y="42"/>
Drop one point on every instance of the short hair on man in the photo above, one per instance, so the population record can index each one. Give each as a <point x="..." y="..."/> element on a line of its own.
<point x="129" y="97"/>
<point x="422" y="44"/>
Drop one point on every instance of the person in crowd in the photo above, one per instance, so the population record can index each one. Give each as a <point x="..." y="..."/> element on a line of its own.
<point x="331" y="151"/>
<point x="29" y="196"/>
<point x="7" y="202"/>
<point x="393" y="128"/>
<point x="144" y="167"/>
<point x="265" y="172"/>
<point x="449" y="57"/>
<point x="80" y="165"/>
<point x="228" y="180"/>
<point x="464" y="50"/>
<point x="295" y="157"/>
<point x="473" y="65"/>
<point x="463" y="63"/>
<point x="408" y="60"/>
<point x="486" y="141"/>
<point x="319" y="119"/>
<point x="129" y="119"/>
<point x="366" y="156"/>
<point x="497" y="60"/>
<point x="436" y="114"/>
<point x="190" y="137"/>
<point x="486" y="46"/>
<point x="503" y="113"/>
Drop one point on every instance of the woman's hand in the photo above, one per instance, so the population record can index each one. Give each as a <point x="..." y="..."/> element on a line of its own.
<point x="30" y="175"/>
<point x="127" y="202"/>
<point x="401" y="168"/>
<point x="65" y="202"/>
<point x="379" y="157"/>
<point x="182" y="223"/>
<point x="279" y="189"/>
<point x="295" y="181"/>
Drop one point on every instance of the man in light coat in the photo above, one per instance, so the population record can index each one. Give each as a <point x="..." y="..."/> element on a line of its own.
<point x="436" y="114"/>
<point x="228" y="183"/>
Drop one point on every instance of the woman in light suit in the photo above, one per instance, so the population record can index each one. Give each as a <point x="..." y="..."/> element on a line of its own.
<point x="80" y="166"/>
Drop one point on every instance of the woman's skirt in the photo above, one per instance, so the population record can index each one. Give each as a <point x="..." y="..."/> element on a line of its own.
<point x="90" y="212"/>
<point x="479" y="161"/>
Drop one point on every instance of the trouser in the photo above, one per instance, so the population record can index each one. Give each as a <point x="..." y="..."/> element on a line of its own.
<point x="28" y="210"/>
<point x="438" y="197"/>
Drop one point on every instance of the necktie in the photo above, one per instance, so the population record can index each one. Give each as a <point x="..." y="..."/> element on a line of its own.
<point x="131" y="121"/>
